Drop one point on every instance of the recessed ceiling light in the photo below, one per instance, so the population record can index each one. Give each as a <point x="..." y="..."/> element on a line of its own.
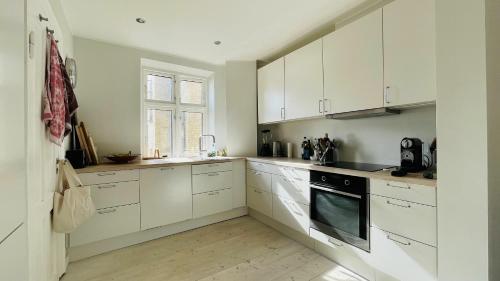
<point x="217" y="43"/>
<point x="140" y="20"/>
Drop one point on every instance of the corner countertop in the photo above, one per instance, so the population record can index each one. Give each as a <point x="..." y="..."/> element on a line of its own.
<point x="155" y="163"/>
<point x="411" y="178"/>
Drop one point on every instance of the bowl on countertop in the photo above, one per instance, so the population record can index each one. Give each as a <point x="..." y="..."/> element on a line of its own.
<point x="122" y="158"/>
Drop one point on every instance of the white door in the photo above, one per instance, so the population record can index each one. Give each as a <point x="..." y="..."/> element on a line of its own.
<point x="166" y="196"/>
<point x="304" y="82"/>
<point x="409" y="52"/>
<point x="13" y="256"/>
<point x="271" y="92"/>
<point x="47" y="260"/>
<point x="353" y="65"/>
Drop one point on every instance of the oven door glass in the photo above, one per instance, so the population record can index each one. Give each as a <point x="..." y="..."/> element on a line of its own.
<point x="339" y="211"/>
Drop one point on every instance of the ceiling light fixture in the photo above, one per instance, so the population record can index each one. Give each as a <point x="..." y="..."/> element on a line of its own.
<point x="217" y="43"/>
<point x="140" y="20"/>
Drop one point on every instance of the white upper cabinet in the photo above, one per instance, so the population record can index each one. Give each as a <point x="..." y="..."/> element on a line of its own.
<point x="304" y="82"/>
<point x="409" y="52"/>
<point x="271" y="92"/>
<point x="353" y="66"/>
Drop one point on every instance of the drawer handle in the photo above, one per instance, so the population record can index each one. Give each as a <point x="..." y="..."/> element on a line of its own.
<point x="166" y="169"/>
<point x="213" y="174"/>
<point x="257" y="173"/>
<point x="213" y="165"/>
<point x="103" y="212"/>
<point x="398" y="186"/>
<point x="257" y="191"/>
<point x="398" y="205"/>
<point x="213" y="193"/>
<point x="106" y="174"/>
<point x="402" y="243"/>
<point x="106" y="186"/>
<point x="331" y="241"/>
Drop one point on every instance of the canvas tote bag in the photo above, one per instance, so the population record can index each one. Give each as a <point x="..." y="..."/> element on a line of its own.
<point x="72" y="201"/>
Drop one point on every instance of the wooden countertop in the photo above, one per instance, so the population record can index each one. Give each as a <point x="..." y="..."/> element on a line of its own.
<point x="142" y="164"/>
<point x="411" y="178"/>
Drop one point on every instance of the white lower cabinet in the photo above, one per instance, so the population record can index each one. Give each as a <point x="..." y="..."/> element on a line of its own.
<point x="14" y="256"/>
<point x="292" y="189"/>
<point x="213" y="202"/>
<point x="115" y="194"/>
<point x="212" y="181"/>
<point x="166" y="196"/>
<point x="398" y="258"/>
<point x="405" y="218"/>
<point x="291" y="213"/>
<point x="261" y="201"/>
<point x="258" y="179"/>
<point x="107" y="223"/>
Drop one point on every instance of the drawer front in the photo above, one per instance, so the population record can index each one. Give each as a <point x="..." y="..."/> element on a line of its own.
<point x="260" y="180"/>
<point x="404" y="191"/>
<point x="289" y="188"/>
<point x="263" y="167"/>
<point x="402" y="258"/>
<point x="209" y="203"/>
<point x="107" y="223"/>
<point x="212" y="167"/>
<point x="261" y="201"/>
<point x="404" y="218"/>
<point x="108" y="177"/>
<point x="293" y="173"/>
<point x="115" y="194"/>
<point x="291" y="213"/>
<point x="212" y="181"/>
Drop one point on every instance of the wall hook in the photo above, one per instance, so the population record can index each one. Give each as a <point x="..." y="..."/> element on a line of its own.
<point x="51" y="31"/>
<point x="42" y="18"/>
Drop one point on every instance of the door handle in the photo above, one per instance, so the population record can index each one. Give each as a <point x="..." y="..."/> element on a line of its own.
<point x="213" y="174"/>
<point x="213" y="193"/>
<point x="386" y="95"/>
<point x="282" y="113"/>
<point x="320" y="102"/>
<point x="166" y="169"/>
<point x="325" y="109"/>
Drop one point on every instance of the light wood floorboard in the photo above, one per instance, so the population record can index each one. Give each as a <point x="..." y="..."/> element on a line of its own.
<point x="238" y="249"/>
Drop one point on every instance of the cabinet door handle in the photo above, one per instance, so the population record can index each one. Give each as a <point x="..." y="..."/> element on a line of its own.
<point x="282" y="113"/>
<point x="213" y="174"/>
<point x="213" y="165"/>
<point x="103" y="212"/>
<point x="386" y="95"/>
<point x="319" y="106"/>
<point x="331" y="241"/>
<point x="106" y="186"/>
<point x="398" y="186"/>
<point x="213" y="193"/>
<point x="325" y="109"/>
<point x="106" y="174"/>
<point x="402" y="243"/>
<point x="166" y="169"/>
<point x="257" y="191"/>
<point x="398" y="205"/>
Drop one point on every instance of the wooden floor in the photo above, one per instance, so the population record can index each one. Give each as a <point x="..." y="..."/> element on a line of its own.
<point x="239" y="249"/>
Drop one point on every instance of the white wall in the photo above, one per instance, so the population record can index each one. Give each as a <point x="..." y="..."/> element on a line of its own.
<point x="241" y="108"/>
<point x="462" y="193"/>
<point x="109" y="93"/>
<point x="372" y="140"/>
<point x="493" y="87"/>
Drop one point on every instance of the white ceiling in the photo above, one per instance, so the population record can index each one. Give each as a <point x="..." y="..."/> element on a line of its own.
<point x="249" y="30"/>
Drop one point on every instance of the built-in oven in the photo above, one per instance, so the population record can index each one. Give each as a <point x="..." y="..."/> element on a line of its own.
<point x="340" y="207"/>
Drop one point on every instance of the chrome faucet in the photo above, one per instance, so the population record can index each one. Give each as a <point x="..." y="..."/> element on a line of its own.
<point x="200" y="142"/>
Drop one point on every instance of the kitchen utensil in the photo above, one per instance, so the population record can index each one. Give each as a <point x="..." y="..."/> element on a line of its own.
<point x="276" y="148"/>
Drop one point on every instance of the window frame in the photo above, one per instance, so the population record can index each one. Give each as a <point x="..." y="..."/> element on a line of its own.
<point x="175" y="106"/>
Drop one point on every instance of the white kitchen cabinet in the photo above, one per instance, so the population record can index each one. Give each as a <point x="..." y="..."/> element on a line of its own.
<point x="409" y="52"/>
<point x="213" y="202"/>
<point x="304" y="82"/>
<point x="261" y="201"/>
<point x="271" y="92"/>
<point x="263" y="167"/>
<point x="404" y="191"/>
<point x="353" y="66"/>
<point x="260" y="180"/>
<point x="408" y="219"/>
<point x="291" y="189"/>
<point x="398" y="258"/>
<point x="166" y="196"/>
<point x="14" y="256"/>
<point x="291" y="213"/>
<point x="108" y="223"/>
<point x="109" y="177"/>
<point x="115" y="194"/>
<point x="239" y="183"/>
<point x="212" y="181"/>
<point x="212" y="167"/>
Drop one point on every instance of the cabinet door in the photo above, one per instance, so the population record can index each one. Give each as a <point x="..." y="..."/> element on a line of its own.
<point x="261" y="201"/>
<point x="213" y="202"/>
<point x="165" y="196"/>
<point x="212" y="181"/>
<point x="291" y="213"/>
<point x="13" y="256"/>
<point x="409" y="52"/>
<point x="304" y="82"/>
<point x="271" y="91"/>
<point x="353" y="66"/>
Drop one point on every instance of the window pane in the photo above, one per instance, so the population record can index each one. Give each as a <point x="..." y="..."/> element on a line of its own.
<point x="191" y="92"/>
<point x="193" y="129"/>
<point x="159" y="88"/>
<point x="159" y="132"/>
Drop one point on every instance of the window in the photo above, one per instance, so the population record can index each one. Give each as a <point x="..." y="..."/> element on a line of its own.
<point x="174" y="108"/>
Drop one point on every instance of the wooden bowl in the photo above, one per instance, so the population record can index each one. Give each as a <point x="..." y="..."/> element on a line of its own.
<point x="122" y="158"/>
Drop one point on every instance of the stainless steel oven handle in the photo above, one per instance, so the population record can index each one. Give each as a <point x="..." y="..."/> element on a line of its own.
<point x="335" y="191"/>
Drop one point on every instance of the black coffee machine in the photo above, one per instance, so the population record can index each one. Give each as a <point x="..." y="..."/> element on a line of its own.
<point x="412" y="155"/>
<point x="265" y="148"/>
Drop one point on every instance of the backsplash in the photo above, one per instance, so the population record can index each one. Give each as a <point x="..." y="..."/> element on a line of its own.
<point x="372" y="140"/>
